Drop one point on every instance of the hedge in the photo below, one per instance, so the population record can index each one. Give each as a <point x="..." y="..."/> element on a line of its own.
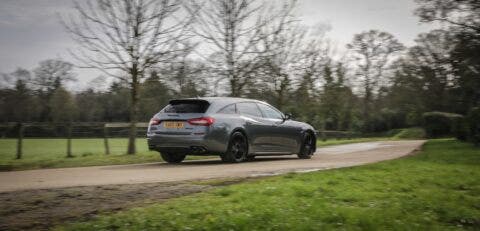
<point x="442" y="124"/>
<point x="473" y="121"/>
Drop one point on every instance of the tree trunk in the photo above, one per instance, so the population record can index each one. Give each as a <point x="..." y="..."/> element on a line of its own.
<point x="366" y="104"/>
<point x="105" y="140"/>
<point x="232" y="76"/>
<point x="20" y="141"/>
<point x="233" y="88"/>
<point x="133" y="111"/>
<point x="133" y="128"/>
<point x="131" y="138"/>
<point x="69" y="140"/>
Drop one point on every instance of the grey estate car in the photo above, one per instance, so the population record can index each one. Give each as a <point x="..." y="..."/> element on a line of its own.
<point x="236" y="129"/>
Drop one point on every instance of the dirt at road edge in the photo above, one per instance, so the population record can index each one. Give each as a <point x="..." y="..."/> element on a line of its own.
<point x="42" y="209"/>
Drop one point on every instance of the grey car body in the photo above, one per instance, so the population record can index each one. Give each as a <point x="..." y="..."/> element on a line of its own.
<point x="267" y="130"/>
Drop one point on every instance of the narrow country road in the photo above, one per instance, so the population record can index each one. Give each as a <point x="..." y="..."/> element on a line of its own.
<point x="325" y="158"/>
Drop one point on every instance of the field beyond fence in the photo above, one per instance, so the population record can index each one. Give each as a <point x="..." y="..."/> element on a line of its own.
<point x="106" y="131"/>
<point x="47" y="145"/>
<point x="68" y="131"/>
<point x="51" y="153"/>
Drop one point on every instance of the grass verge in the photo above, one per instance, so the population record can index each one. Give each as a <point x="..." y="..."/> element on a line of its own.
<point x="437" y="189"/>
<point x="50" y="153"/>
<point x="395" y="134"/>
<point x="411" y="133"/>
<point x="331" y="142"/>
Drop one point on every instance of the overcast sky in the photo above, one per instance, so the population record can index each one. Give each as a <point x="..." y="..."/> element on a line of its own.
<point x="30" y="29"/>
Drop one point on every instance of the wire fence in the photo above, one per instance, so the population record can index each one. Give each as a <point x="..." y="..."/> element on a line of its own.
<point x="68" y="131"/>
<point x="325" y="135"/>
<point x="96" y="130"/>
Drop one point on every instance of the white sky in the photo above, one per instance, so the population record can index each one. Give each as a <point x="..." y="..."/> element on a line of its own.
<point x="30" y="29"/>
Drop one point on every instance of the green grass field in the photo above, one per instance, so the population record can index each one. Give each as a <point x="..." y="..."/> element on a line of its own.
<point x="438" y="189"/>
<point x="50" y="153"/>
<point x="396" y="134"/>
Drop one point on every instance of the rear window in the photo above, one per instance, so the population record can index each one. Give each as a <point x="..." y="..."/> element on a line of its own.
<point x="230" y="109"/>
<point x="249" y="109"/>
<point x="186" y="106"/>
<point x="270" y="112"/>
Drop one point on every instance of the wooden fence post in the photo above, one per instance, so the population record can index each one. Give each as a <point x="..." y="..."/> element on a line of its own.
<point x="105" y="139"/>
<point x="20" y="141"/>
<point x="323" y="135"/>
<point x="69" y="140"/>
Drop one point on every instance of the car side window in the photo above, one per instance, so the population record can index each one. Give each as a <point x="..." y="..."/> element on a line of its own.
<point x="229" y="109"/>
<point x="270" y="112"/>
<point x="249" y="109"/>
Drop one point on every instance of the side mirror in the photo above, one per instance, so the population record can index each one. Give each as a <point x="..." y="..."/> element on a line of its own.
<point x="287" y="116"/>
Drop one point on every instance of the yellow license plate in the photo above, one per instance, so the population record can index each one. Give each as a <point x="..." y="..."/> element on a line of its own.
<point x="172" y="124"/>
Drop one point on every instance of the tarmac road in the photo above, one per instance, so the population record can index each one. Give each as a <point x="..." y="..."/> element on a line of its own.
<point x="325" y="158"/>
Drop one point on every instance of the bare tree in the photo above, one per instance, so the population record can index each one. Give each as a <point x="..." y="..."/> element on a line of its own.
<point x="462" y="13"/>
<point x="233" y="30"/>
<point x="126" y="38"/>
<point x="52" y="73"/>
<point x="10" y="80"/>
<point x="293" y="54"/>
<point x="372" y="51"/>
<point x="430" y="61"/>
<point x="185" y="77"/>
<point x="19" y="103"/>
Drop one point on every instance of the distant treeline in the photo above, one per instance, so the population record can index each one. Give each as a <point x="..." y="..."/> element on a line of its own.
<point x="379" y="84"/>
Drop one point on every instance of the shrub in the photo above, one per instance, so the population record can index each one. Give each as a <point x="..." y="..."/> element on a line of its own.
<point x="473" y="120"/>
<point x="441" y="124"/>
<point x="461" y="129"/>
<point x="411" y="133"/>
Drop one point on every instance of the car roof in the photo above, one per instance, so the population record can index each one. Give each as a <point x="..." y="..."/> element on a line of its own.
<point x="227" y="100"/>
<point x="217" y="103"/>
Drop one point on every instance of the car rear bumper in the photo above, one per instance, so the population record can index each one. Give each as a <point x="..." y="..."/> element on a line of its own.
<point x="189" y="144"/>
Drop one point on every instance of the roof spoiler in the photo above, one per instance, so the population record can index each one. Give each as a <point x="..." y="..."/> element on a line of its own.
<point x="178" y="101"/>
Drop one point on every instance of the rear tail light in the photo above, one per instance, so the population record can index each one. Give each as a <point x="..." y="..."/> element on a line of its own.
<point x="154" y="121"/>
<point x="203" y="121"/>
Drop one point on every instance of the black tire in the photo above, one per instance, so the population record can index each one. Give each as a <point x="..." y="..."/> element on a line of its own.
<point x="237" y="149"/>
<point x="172" y="158"/>
<point x="250" y="158"/>
<point x="308" y="146"/>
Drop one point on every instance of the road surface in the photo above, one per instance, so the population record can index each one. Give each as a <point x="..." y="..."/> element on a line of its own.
<point x="325" y="158"/>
